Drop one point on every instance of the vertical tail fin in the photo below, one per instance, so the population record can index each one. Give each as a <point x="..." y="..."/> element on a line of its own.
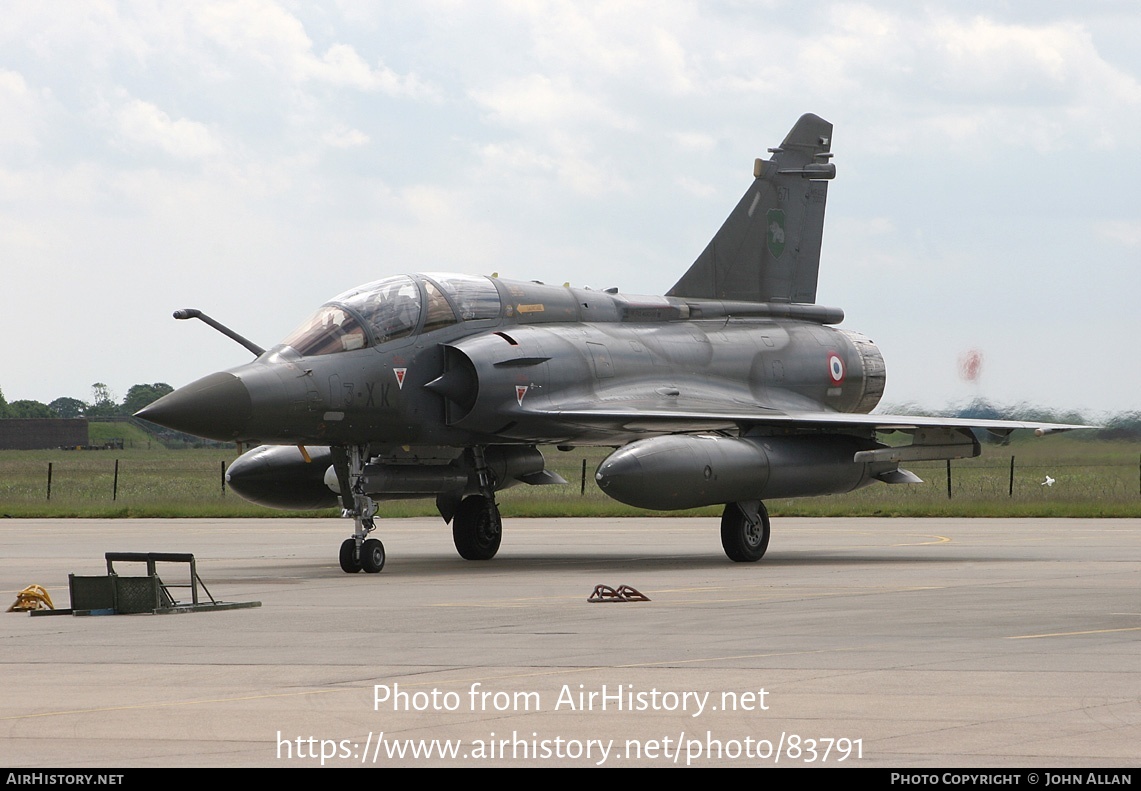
<point x="769" y="248"/>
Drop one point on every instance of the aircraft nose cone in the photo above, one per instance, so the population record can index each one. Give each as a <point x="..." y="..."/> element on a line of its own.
<point x="216" y="406"/>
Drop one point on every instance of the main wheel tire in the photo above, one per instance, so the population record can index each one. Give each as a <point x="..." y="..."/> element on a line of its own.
<point x="372" y="556"/>
<point x="477" y="529"/>
<point x="744" y="543"/>
<point x="349" y="562"/>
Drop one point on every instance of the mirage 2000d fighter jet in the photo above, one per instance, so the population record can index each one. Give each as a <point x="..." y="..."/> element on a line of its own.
<point x="732" y="388"/>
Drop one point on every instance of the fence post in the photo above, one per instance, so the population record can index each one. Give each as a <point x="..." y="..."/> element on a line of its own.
<point x="223" y="477"/>
<point x="1011" y="476"/>
<point x="582" y="487"/>
<point x="49" y="480"/>
<point x="115" y="485"/>
<point x="948" y="479"/>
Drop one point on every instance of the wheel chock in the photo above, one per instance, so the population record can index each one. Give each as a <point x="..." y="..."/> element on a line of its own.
<point x="33" y="597"/>
<point x="604" y="593"/>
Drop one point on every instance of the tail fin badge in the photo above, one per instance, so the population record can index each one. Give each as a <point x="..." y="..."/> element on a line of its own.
<point x="775" y="232"/>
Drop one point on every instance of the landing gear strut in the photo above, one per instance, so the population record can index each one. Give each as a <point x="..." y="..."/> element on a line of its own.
<point x="477" y="528"/>
<point x="745" y="531"/>
<point x="357" y="553"/>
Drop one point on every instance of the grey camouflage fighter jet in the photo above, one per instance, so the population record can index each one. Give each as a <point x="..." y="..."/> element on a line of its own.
<point x="733" y="388"/>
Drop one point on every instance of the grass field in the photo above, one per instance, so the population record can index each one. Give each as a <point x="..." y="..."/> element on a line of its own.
<point x="1091" y="479"/>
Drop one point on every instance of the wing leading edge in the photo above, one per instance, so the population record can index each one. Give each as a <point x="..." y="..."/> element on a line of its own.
<point x="680" y="421"/>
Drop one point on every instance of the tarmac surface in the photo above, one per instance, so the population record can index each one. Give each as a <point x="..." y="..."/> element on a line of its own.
<point x="855" y="642"/>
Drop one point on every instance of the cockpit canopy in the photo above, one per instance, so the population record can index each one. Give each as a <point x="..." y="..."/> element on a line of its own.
<point x="393" y="308"/>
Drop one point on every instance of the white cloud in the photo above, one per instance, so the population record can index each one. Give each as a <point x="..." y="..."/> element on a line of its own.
<point x="878" y="226"/>
<point x="341" y="65"/>
<point x="540" y="100"/>
<point x="260" y="29"/>
<point x="632" y="42"/>
<point x="267" y="33"/>
<point x="343" y="137"/>
<point x="939" y="77"/>
<point x="19" y="110"/>
<point x="432" y="228"/>
<point x="1124" y="232"/>
<point x="144" y="123"/>
<point x="698" y="188"/>
<point x="566" y="163"/>
<point x="694" y="141"/>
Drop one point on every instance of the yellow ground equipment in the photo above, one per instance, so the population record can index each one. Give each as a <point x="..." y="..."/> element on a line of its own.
<point x="33" y="597"/>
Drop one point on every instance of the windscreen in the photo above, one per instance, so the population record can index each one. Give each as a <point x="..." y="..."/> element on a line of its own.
<point x="378" y="312"/>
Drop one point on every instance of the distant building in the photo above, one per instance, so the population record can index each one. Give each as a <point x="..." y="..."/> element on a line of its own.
<point x="36" y="433"/>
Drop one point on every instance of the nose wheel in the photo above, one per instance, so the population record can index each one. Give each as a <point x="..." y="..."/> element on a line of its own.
<point x="372" y="556"/>
<point x="350" y="560"/>
<point x="370" y="559"/>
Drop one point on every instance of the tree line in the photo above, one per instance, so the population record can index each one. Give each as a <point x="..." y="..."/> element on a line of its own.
<point x="102" y="404"/>
<point x="1124" y="425"/>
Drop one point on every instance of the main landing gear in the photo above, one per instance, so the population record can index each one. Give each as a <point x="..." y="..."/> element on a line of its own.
<point x="745" y="531"/>
<point x="477" y="528"/>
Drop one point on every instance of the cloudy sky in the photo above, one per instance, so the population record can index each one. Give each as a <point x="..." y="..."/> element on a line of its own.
<point x="254" y="158"/>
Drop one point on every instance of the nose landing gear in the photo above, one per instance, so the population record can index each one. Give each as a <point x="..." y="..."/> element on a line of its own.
<point x="358" y="553"/>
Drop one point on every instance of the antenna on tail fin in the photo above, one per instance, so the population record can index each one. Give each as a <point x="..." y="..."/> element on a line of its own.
<point x="768" y="250"/>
